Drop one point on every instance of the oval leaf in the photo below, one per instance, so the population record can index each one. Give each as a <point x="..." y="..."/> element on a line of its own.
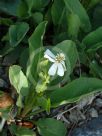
<point x="75" y="90"/>
<point x="17" y="33"/>
<point x="74" y="6"/>
<point x="51" y="127"/>
<point x="18" y="80"/>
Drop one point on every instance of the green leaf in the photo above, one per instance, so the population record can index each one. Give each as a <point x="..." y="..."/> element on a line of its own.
<point x="35" y="45"/>
<point x="17" y="33"/>
<point x="93" y="38"/>
<point x="44" y="103"/>
<point x="73" y="25"/>
<point x="21" y="131"/>
<point x="37" y="17"/>
<point x="51" y="127"/>
<point x="68" y="47"/>
<point x="95" y="47"/>
<point x="9" y="6"/>
<point x="74" y="6"/>
<point x="18" y="80"/>
<point x="22" y="9"/>
<point x="36" y="4"/>
<point x="96" y="69"/>
<point x="58" y="11"/>
<point x="74" y="90"/>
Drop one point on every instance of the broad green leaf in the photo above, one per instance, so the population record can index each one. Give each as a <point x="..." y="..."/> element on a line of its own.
<point x="74" y="6"/>
<point x="29" y="5"/>
<point x="96" y="70"/>
<point x="23" y="9"/>
<point x="17" y="33"/>
<point x="36" y="4"/>
<point x="93" y="38"/>
<point x="21" y="131"/>
<point x="73" y="25"/>
<point x="18" y="80"/>
<point x="69" y="48"/>
<point x="74" y="90"/>
<point x="44" y="103"/>
<point x="35" y="45"/>
<point x="95" y="47"/>
<point x="58" y="11"/>
<point x="9" y="6"/>
<point x="37" y="17"/>
<point x="51" y="127"/>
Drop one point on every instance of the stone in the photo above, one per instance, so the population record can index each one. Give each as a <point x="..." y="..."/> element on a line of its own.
<point x="76" y="115"/>
<point x="3" y="84"/>
<point x="98" y="102"/>
<point x="91" y="128"/>
<point x="86" y="100"/>
<point x="93" y="113"/>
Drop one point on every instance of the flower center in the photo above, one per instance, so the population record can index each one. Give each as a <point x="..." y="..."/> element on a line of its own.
<point x="60" y="57"/>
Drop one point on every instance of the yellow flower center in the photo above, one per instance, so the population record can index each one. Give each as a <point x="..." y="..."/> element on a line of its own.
<point x="60" y="57"/>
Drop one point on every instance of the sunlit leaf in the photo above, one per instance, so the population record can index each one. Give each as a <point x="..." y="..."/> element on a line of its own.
<point x="18" y="80"/>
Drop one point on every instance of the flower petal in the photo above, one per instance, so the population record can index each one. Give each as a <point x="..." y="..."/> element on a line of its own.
<point x="60" y="71"/>
<point x="49" y="58"/>
<point x="63" y="63"/>
<point x="53" y="69"/>
<point x="49" y="55"/>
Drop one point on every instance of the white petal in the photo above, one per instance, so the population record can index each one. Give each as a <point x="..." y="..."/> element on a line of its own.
<point x="63" y="63"/>
<point x="60" y="71"/>
<point x="49" y="55"/>
<point x="49" y="58"/>
<point x="53" y="69"/>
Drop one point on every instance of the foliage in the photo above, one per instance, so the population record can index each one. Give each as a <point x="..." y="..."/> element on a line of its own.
<point x="72" y="28"/>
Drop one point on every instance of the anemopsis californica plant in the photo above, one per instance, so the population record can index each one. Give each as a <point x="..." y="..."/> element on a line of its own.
<point x="58" y="67"/>
<point x="58" y="59"/>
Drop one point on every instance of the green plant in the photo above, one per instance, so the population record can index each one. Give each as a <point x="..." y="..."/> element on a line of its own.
<point x="61" y="64"/>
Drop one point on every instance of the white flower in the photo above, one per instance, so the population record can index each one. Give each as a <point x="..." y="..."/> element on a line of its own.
<point x="58" y="67"/>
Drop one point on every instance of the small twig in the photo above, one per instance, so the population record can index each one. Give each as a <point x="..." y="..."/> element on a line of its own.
<point x="60" y="114"/>
<point x="73" y="126"/>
